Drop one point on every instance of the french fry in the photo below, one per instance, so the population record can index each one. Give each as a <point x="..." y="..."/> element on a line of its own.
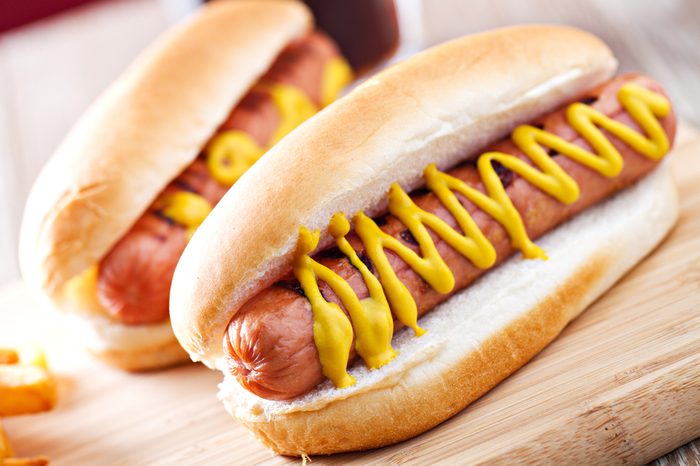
<point x="26" y="386"/>
<point x="8" y="356"/>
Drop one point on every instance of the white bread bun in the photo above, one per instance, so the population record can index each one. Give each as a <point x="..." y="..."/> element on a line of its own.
<point x="438" y="106"/>
<point x="129" y="347"/>
<point x="141" y="133"/>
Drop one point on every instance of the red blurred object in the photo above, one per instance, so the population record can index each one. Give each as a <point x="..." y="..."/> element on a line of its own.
<point x="15" y="13"/>
<point x="367" y="31"/>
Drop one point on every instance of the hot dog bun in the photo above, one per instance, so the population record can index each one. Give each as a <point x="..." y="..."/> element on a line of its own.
<point x="139" y="135"/>
<point x="129" y="347"/>
<point x="435" y="107"/>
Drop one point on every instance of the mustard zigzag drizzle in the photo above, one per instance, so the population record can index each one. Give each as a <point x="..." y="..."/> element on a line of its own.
<point x="371" y="318"/>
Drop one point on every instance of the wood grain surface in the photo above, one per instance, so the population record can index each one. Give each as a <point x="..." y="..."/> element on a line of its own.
<point x="621" y="385"/>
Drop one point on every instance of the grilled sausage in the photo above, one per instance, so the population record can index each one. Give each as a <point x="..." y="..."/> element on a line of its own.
<point x="134" y="277"/>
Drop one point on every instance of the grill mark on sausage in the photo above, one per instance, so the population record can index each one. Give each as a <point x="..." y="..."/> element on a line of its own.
<point x="505" y="175"/>
<point x="332" y="253"/>
<point x="417" y="193"/>
<point x="408" y="237"/>
<point x="254" y="99"/>
<point x="291" y="285"/>
<point x="380" y="221"/>
<point x="163" y="217"/>
<point x="366" y="260"/>
<point x="184" y="185"/>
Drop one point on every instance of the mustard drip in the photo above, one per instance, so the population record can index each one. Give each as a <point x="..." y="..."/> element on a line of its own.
<point x="333" y="332"/>
<point x="645" y="107"/>
<point x="187" y="209"/>
<point x="293" y="106"/>
<point x="230" y="154"/>
<point x="374" y="326"/>
<point x="336" y="75"/>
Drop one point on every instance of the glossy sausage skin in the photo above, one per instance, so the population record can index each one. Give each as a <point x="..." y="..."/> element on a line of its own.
<point x="269" y="343"/>
<point x="134" y="277"/>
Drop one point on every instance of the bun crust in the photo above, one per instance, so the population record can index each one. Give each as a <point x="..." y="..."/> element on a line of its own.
<point x="476" y="339"/>
<point x="438" y="106"/>
<point x="141" y="133"/>
<point x="144" y="130"/>
<point x="140" y="359"/>
<point x="128" y="347"/>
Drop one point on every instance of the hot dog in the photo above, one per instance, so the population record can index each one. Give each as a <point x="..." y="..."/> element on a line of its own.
<point x="374" y="296"/>
<point x="115" y="206"/>
<point x="134" y="277"/>
<point x="269" y="343"/>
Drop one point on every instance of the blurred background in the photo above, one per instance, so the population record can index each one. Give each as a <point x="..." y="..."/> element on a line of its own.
<point x="57" y="55"/>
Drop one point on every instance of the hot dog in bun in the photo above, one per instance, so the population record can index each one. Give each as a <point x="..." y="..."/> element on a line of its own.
<point x="419" y="240"/>
<point x="113" y="209"/>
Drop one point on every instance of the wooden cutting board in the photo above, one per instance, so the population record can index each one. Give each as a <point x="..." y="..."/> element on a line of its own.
<point x="620" y="385"/>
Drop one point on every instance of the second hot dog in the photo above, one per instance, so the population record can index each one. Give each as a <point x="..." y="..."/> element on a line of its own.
<point x="134" y="278"/>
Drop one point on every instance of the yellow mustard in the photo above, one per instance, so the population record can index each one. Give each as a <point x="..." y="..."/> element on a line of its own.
<point x="81" y="289"/>
<point x="336" y="75"/>
<point x="230" y="154"/>
<point x="332" y="331"/>
<point x="187" y="209"/>
<point x="645" y="107"/>
<point x="293" y="105"/>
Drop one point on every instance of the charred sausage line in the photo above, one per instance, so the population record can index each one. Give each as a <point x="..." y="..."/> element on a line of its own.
<point x="134" y="277"/>
<point x="269" y="343"/>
